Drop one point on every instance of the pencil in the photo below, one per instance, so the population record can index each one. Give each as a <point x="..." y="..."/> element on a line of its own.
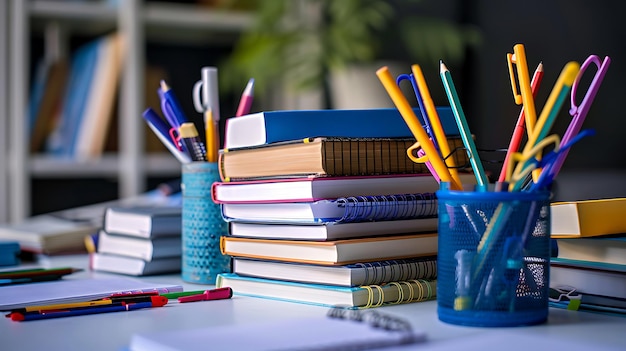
<point x="518" y="132"/>
<point x="212" y="137"/>
<point x="461" y="122"/>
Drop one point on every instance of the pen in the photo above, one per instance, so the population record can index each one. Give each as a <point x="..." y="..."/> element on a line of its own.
<point x="548" y="114"/>
<point x="246" y="99"/>
<point x="189" y="137"/>
<point x="60" y="306"/>
<point x="524" y="95"/>
<point x="30" y="273"/>
<point x="461" y="121"/>
<point x="416" y="128"/>
<point x="157" y="301"/>
<point x="518" y="132"/>
<point x="215" y="294"/>
<point x="176" y="295"/>
<point x="161" y="130"/>
<point x="170" y="106"/>
<point x="435" y="122"/>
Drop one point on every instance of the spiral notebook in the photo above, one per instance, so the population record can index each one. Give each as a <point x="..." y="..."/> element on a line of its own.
<point x="339" y="330"/>
<point x="341" y="210"/>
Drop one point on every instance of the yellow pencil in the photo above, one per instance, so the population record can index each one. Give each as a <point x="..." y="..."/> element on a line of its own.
<point x="211" y="135"/>
<point x="416" y="128"/>
<point x="60" y="306"/>
<point x="435" y="122"/>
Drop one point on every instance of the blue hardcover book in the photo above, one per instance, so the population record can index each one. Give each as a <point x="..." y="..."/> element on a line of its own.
<point x="63" y="138"/>
<point x="340" y="210"/>
<point x="278" y="126"/>
<point x="9" y="253"/>
<point x="365" y="296"/>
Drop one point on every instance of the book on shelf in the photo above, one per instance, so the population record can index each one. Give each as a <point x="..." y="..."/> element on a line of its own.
<point x="335" y="252"/>
<point x="588" y="218"/>
<point x="344" y="209"/>
<point x="62" y="139"/>
<point x="47" y="234"/>
<point x="323" y="156"/>
<point x="277" y="126"/>
<point x="336" y="331"/>
<point x="144" y="221"/>
<point x="139" y="248"/>
<point x="133" y="266"/>
<point x="74" y="290"/>
<point x="45" y="110"/>
<point x="602" y="249"/>
<point x="99" y="108"/>
<point x="362" y="273"/>
<point x="332" y="230"/>
<point x="365" y="296"/>
<point x="589" y="277"/>
<point x="320" y="188"/>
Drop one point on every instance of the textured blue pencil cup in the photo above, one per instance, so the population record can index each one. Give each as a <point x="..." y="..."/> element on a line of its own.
<point x="202" y="225"/>
<point x="494" y="258"/>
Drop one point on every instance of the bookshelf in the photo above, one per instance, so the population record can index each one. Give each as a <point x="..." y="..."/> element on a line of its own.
<point x="139" y="22"/>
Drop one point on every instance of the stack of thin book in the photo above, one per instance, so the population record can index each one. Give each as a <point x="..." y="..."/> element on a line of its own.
<point x="339" y="217"/>
<point x="588" y="270"/>
<point x="139" y="241"/>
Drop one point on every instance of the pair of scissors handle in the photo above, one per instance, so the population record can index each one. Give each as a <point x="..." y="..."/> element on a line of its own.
<point x="578" y="111"/>
<point x="199" y="102"/>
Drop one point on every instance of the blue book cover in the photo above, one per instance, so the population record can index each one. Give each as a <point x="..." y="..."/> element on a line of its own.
<point x="63" y="138"/>
<point x="278" y="126"/>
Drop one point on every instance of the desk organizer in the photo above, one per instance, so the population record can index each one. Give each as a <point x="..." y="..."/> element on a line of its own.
<point x="202" y="225"/>
<point x="494" y="258"/>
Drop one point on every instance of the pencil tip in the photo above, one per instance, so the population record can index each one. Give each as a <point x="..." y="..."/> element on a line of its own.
<point x="442" y="66"/>
<point x="164" y="86"/>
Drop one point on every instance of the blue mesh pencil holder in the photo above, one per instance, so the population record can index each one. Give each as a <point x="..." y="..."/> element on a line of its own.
<point x="494" y="257"/>
<point x="202" y="225"/>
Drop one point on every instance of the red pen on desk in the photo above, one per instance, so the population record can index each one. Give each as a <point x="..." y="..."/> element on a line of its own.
<point x="215" y="294"/>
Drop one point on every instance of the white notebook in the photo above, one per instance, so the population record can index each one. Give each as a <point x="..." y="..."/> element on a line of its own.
<point x="311" y="333"/>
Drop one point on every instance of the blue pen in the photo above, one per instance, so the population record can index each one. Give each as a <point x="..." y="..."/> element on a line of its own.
<point x="161" y="129"/>
<point x="171" y="107"/>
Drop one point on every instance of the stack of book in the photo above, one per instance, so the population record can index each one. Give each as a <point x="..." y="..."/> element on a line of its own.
<point x="325" y="207"/>
<point x="139" y="241"/>
<point x="588" y="270"/>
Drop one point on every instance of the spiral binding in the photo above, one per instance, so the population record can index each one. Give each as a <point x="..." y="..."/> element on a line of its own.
<point x="416" y="290"/>
<point x="373" y="318"/>
<point x="398" y="270"/>
<point x="388" y="207"/>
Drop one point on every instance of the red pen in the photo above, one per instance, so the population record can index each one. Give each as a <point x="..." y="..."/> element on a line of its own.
<point x="246" y="99"/>
<point x="215" y="294"/>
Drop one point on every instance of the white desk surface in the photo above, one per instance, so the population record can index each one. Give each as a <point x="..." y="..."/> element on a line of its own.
<point x="112" y="331"/>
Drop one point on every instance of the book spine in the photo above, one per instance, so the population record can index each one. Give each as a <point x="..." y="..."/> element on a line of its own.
<point x="388" y="207"/>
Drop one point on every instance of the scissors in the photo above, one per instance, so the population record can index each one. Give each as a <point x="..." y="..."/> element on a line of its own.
<point x="205" y="92"/>
<point x="579" y="111"/>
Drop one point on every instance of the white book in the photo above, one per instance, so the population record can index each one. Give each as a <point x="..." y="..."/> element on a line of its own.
<point x="332" y="231"/>
<point x="362" y="273"/>
<point x="145" y="249"/>
<point x="134" y="266"/>
<point x="144" y="222"/>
